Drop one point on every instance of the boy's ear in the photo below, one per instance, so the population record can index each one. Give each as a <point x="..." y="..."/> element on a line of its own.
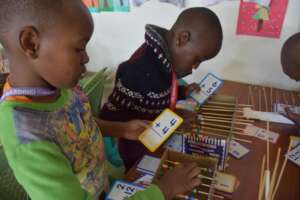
<point x="30" y="41"/>
<point x="183" y="38"/>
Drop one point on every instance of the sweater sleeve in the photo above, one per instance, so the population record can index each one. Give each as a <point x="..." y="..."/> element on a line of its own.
<point x="45" y="172"/>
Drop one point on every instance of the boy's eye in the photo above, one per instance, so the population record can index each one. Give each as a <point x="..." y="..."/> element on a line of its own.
<point x="79" y="50"/>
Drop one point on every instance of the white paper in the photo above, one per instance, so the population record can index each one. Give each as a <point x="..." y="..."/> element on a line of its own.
<point x="148" y="164"/>
<point x="209" y="84"/>
<point x="266" y="116"/>
<point x="261" y="133"/>
<point x="122" y="190"/>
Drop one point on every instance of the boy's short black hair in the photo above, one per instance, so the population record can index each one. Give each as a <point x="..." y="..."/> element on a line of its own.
<point x="200" y="17"/>
<point x="36" y="11"/>
<point x="290" y="54"/>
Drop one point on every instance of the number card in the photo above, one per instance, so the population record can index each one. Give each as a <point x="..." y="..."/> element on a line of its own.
<point x="261" y="133"/>
<point x="280" y="108"/>
<point x="208" y="85"/>
<point x="162" y="128"/>
<point x="294" y="155"/>
<point x="122" y="190"/>
<point x="237" y="150"/>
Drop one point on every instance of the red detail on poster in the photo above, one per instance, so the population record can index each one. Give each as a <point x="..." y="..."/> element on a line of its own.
<point x="247" y="25"/>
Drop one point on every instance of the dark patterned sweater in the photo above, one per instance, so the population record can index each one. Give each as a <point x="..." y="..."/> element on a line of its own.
<point x="142" y="89"/>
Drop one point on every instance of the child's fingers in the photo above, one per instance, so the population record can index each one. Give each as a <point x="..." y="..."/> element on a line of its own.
<point x="195" y="182"/>
<point x="194" y="172"/>
<point x="188" y="167"/>
<point x="145" y="124"/>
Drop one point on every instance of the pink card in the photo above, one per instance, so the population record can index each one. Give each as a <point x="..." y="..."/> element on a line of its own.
<point x="269" y="26"/>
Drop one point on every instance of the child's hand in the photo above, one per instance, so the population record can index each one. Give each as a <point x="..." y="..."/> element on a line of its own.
<point x="292" y="116"/>
<point x="180" y="180"/>
<point x="188" y="116"/>
<point x="194" y="87"/>
<point x="132" y="129"/>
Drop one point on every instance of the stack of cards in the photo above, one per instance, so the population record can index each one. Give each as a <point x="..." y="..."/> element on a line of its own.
<point x="208" y="85"/>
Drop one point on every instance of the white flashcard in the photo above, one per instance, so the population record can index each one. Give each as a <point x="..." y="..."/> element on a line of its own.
<point x="294" y="155"/>
<point x="294" y="141"/>
<point x="122" y="190"/>
<point x="237" y="150"/>
<point x="148" y="164"/>
<point x="209" y="84"/>
<point x="261" y="133"/>
<point x="144" y="180"/>
<point x="162" y="128"/>
<point x="225" y="182"/>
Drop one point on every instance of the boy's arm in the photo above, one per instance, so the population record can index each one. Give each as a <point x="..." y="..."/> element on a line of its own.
<point x="129" y="130"/>
<point x="185" y="90"/>
<point x="45" y="173"/>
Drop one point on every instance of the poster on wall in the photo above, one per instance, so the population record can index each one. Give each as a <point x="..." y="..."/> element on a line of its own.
<point x="261" y="17"/>
<point x="107" y="5"/>
<point x="93" y="5"/>
<point x="114" y="5"/>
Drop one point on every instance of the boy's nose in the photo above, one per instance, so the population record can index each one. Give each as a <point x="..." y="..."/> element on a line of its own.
<point x="195" y="66"/>
<point x="85" y="58"/>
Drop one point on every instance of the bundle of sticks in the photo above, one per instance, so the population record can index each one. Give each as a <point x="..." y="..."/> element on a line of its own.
<point x="270" y="180"/>
<point x="267" y="96"/>
<point x="220" y="119"/>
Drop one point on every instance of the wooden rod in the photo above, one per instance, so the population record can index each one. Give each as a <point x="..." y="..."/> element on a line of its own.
<point x="224" y="121"/>
<point x="262" y="178"/>
<point x="224" y="118"/>
<point x="221" y="126"/>
<point x="266" y="99"/>
<point x="274" y="174"/>
<point x="221" y="110"/>
<point x="227" y="103"/>
<point x="226" y="131"/>
<point x="259" y="99"/>
<point x="205" y="193"/>
<point x="281" y="173"/>
<point x="221" y="107"/>
<point x="271" y="98"/>
<point x="251" y="96"/>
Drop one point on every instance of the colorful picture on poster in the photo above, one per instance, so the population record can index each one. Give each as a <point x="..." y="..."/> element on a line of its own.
<point x="93" y="5"/>
<point x="107" y="5"/>
<point x="114" y="5"/>
<point x="261" y="17"/>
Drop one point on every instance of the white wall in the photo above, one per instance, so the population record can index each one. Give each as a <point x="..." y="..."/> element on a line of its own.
<point x="243" y="58"/>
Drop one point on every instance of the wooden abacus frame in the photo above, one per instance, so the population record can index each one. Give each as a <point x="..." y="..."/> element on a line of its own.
<point x="208" y="181"/>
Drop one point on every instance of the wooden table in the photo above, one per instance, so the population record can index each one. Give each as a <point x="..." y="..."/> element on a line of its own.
<point x="248" y="168"/>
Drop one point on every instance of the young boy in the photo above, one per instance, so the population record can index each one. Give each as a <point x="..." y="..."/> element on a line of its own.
<point x="290" y="61"/>
<point x="51" y="141"/>
<point x="146" y="84"/>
